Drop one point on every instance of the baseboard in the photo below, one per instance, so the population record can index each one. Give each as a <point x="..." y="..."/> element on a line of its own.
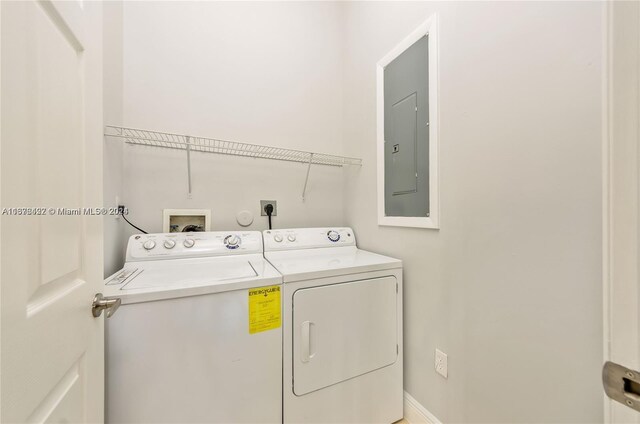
<point x="415" y="413"/>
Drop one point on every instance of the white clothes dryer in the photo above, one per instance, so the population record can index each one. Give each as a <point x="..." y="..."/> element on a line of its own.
<point x="198" y="336"/>
<point x="342" y="354"/>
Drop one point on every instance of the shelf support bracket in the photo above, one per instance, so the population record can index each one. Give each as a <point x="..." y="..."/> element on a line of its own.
<point x="306" y="180"/>
<point x="188" y="139"/>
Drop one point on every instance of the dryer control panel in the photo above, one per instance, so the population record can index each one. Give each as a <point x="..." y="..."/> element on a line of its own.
<point x="142" y="247"/>
<point x="308" y="238"/>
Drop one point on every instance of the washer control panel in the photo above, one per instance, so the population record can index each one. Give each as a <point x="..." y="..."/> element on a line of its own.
<point x="143" y="247"/>
<point x="307" y="238"/>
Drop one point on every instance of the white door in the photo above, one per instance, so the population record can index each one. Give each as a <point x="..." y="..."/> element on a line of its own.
<point x="622" y="216"/>
<point x="51" y="157"/>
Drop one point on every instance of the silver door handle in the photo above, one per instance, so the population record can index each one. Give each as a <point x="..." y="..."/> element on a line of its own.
<point x="100" y="303"/>
<point x="622" y="384"/>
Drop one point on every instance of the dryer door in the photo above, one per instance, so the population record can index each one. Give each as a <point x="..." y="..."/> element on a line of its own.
<point x="341" y="331"/>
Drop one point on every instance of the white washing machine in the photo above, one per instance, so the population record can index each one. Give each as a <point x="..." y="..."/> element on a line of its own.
<point x="342" y="354"/>
<point x="198" y="337"/>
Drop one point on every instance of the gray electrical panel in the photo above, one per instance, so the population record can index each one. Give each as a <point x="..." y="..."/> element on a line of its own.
<point x="403" y="167"/>
<point x="406" y="133"/>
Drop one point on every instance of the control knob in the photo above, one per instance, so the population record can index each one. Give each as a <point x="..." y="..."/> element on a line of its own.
<point x="188" y="243"/>
<point x="232" y="241"/>
<point x="169" y="244"/>
<point x="277" y="238"/>
<point x="333" y="235"/>
<point x="149" y="244"/>
<point x="291" y="237"/>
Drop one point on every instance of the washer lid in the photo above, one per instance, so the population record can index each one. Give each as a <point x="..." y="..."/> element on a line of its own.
<point x="164" y="279"/>
<point x="167" y="275"/>
<point x="307" y="264"/>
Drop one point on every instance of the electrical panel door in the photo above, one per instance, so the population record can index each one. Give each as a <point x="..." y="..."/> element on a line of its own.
<point x="402" y="143"/>
<point x="406" y="133"/>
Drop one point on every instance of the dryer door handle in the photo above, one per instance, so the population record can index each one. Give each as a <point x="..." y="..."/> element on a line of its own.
<point x="305" y="341"/>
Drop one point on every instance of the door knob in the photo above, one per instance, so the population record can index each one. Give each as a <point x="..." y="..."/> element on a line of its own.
<point x="101" y="303"/>
<point x="622" y="384"/>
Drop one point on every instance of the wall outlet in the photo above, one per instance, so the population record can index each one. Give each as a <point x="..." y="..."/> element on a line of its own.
<point x="264" y="203"/>
<point x="441" y="363"/>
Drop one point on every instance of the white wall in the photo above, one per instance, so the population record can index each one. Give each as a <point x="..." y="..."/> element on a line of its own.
<point x="510" y="287"/>
<point x="261" y="73"/>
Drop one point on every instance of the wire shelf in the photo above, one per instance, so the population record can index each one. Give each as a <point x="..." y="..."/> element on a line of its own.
<point x="223" y="147"/>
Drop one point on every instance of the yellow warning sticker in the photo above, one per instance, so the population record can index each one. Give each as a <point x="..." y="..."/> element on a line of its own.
<point x="264" y="309"/>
